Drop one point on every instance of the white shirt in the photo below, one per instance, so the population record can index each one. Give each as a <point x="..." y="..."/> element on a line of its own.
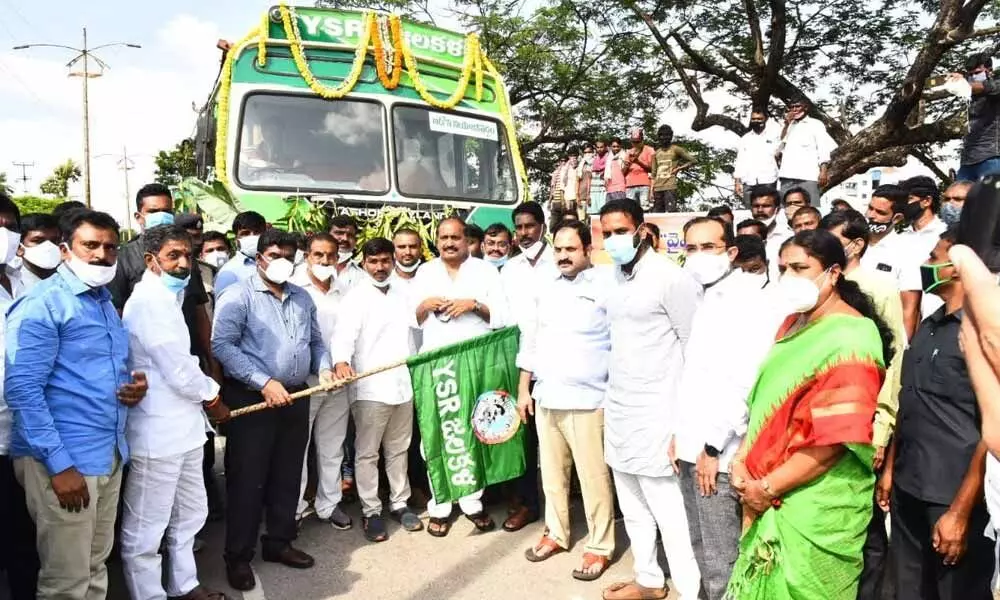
<point x="169" y="420"/>
<point x="327" y="303"/>
<point x="731" y="335"/>
<point x="374" y="329"/>
<point x="566" y="339"/>
<point x="918" y="245"/>
<point x="991" y="489"/>
<point x="755" y="162"/>
<point x="477" y="280"/>
<point x="28" y="279"/>
<point x="519" y="277"/>
<point x="351" y="275"/>
<point x="650" y="313"/>
<point x="6" y="421"/>
<point x="805" y="147"/>
<point x="888" y="256"/>
<point x="772" y="246"/>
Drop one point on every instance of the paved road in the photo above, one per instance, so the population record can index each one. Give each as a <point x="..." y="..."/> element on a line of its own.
<point x="466" y="565"/>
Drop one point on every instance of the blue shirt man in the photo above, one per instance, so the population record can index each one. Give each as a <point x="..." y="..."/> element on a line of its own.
<point x="68" y="387"/>
<point x="247" y="229"/>
<point x="268" y="340"/>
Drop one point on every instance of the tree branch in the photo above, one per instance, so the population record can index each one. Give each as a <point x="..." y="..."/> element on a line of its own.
<point x="930" y="164"/>
<point x="775" y="54"/>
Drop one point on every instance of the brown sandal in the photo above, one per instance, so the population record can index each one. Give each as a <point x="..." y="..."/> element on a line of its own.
<point x="633" y="591"/>
<point x="546" y="544"/>
<point x="589" y="560"/>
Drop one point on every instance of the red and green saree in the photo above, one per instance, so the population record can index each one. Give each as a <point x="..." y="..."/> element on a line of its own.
<point x="817" y="387"/>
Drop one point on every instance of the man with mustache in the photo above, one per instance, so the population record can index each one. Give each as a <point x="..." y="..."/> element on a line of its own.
<point x="459" y="297"/>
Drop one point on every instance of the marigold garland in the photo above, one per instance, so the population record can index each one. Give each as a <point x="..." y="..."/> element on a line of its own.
<point x="222" y="116"/>
<point x="471" y="51"/>
<point x="390" y="81"/>
<point x="290" y="23"/>
<point x="262" y="40"/>
<point x="507" y="115"/>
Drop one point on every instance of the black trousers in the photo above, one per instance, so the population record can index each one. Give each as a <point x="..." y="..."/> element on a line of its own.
<point x="18" y="554"/>
<point x="526" y="486"/>
<point x="264" y="453"/>
<point x="920" y="572"/>
<point x="874" y="576"/>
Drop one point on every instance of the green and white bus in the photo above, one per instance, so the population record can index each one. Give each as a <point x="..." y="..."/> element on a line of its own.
<point x="361" y="112"/>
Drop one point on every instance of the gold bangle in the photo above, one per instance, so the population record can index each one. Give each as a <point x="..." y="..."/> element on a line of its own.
<point x="211" y="403"/>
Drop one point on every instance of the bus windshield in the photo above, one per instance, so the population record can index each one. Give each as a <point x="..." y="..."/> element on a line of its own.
<point x="298" y="142"/>
<point x="451" y="156"/>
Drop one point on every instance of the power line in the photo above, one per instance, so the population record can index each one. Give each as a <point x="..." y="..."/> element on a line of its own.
<point x="24" y="179"/>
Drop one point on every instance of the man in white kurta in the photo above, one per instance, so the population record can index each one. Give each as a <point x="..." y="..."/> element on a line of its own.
<point x="458" y="297"/>
<point x="165" y="494"/>
<point x="650" y="309"/>
<point x="373" y="330"/>
<point x="328" y="411"/>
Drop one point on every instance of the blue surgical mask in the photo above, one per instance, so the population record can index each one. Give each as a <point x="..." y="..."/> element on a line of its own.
<point x="980" y="77"/>
<point x="951" y="213"/>
<point x="158" y="218"/>
<point x="496" y="262"/>
<point x="176" y="283"/>
<point x="621" y="248"/>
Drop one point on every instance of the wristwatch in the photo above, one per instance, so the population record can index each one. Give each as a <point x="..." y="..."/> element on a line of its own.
<point x="712" y="451"/>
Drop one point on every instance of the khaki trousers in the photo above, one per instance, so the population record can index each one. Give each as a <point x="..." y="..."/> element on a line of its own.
<point x="565" y="438"/>
<point x="72" y="547"/>
<point x="388" y="427"/>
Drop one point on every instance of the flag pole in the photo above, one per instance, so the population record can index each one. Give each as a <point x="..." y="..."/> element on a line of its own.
<point x="336" y="385"/>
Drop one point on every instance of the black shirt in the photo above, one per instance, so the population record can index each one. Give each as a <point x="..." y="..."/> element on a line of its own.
<point x="937" y="428"/>
<point x="131" y="266"/>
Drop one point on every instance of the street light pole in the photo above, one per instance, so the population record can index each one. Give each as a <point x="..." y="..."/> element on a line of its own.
<point x="86" y="120"/>
<point x="86" y="53"/>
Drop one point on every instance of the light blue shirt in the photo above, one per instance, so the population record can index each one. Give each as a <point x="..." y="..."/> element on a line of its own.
<point x="258" y="337"/>
<point x="67" y="354"/>
<point x="237" y="269"/>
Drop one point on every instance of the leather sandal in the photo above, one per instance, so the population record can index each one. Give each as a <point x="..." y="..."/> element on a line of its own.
<point x="545" y="549"/>
<point x="590" y="559"/>
<point x="631" y="590"/>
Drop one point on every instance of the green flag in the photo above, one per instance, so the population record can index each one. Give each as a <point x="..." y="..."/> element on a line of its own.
<point x="466" y="400"/>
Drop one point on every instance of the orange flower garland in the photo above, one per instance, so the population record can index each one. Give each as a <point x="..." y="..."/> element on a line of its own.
<point x="390" y="81"/>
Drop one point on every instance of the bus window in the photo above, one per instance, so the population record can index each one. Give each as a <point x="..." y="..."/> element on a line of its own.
<point x="298" y="142"/>
<point x="450" y="155"/>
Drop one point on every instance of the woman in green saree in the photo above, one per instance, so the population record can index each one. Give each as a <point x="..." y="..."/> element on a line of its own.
<point x="804" y="472"/>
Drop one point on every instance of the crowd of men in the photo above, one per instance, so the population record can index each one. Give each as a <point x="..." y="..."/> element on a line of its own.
<point x="120" y="361"/>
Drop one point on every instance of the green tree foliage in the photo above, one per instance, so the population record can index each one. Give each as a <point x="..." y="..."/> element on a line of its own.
<point x="578" y="68"/>
<point x="174" y="165"/>
<point x="34" y="204"/>
<point x="57" y="184"/>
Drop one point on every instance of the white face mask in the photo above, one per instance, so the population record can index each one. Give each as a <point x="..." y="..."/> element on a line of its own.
<point x="980" y="77"/>
<point x="248" y="245"/>
<point x="9" y="241"/>
<point x="801" y="295"/>
<point x="344" y="255"/>
<point x="216" y="258"/>
<point x="707" y="268"/>
<point x="300" y="257"/>
<point x="767" y="222"/>
<point x="408" y="269"/>
<point x="323" y="272"/>
<point x="44" y="255"/>
<point x="94" y="276"/>
<point x="279" y="270"/>
<point x="534" y="250"/>
<point x="379" y="284"/>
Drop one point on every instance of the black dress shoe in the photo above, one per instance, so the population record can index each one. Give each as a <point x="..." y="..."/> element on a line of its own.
<point x="288" y="556"/>
<point x="240" y="576"/>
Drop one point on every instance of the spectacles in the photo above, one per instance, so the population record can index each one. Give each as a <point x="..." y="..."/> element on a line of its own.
<point x="692" y="249"/>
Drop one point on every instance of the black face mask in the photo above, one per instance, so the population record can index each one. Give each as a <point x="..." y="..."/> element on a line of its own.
<point x="912" y="211"/>
<point x="878" y="228"/>
<point x="757" y="126"/>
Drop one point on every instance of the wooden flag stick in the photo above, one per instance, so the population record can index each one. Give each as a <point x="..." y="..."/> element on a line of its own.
<point x="336" y="385"/>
